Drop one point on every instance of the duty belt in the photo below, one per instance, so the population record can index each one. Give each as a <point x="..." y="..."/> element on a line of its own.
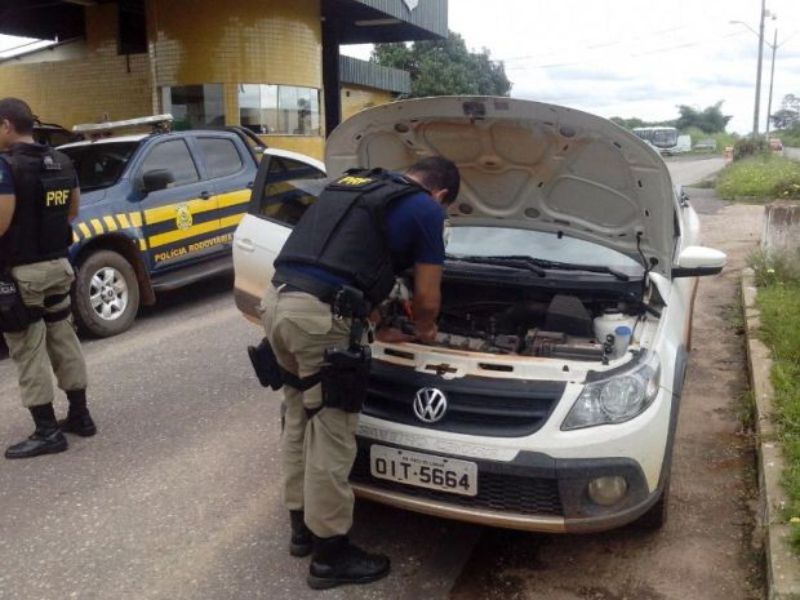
<point x="297" y="282"/>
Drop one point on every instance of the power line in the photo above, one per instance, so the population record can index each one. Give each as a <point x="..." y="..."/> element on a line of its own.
<point x="660" y="32"/>
<point x="638" y="55"/>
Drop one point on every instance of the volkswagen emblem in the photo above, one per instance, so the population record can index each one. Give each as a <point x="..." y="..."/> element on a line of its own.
<point x="430" y="405"/>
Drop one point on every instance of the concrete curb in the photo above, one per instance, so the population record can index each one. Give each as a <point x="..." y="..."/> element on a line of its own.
<point x="783" y="565"/>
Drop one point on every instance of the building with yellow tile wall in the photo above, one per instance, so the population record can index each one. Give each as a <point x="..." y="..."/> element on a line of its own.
<point x="269" y="65"/>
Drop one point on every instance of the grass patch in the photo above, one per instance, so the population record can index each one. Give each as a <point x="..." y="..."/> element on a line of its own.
<point x="722" y="139"/>
<point x="779" y="301"/>
<point x="764" y="178"/>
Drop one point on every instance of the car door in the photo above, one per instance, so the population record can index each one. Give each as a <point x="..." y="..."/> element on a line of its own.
<point x="181" y="217"/>
<point x="231" y="174"/>
<point x="285" y="187"/>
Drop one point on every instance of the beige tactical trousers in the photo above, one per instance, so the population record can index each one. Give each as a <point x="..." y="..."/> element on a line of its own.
<point x="44" y="345"/>
<point x="318" y="454"/>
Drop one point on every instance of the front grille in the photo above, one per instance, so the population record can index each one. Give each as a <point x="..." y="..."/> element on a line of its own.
<point x="475" y="405"/>
<point x="496" y="491"/>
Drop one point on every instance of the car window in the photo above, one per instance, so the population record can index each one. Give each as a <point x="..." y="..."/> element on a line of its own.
<point x="100" y="165"/>
<point x="290" y="188"/>
<point x="505" y="241"/>
<point x="173" y="156"/>
<point x="221" y="156"/>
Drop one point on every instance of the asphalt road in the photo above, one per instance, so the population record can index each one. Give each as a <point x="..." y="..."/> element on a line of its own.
<point x="178" y="496"/>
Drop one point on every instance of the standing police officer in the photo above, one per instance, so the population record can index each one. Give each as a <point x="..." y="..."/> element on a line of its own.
<point x="39" y="197"/>
<point x="338" y="264"/>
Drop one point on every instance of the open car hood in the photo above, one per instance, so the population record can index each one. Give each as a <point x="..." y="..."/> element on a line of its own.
<point x="531" y="165"/>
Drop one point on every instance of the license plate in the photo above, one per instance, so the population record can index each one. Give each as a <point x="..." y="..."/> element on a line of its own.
<point x="424" y="470"/>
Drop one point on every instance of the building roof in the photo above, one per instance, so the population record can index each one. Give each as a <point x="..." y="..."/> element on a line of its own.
<point x="369" y="74"/>
<point x="379" y="21"/>
<point x="358" y="21"/>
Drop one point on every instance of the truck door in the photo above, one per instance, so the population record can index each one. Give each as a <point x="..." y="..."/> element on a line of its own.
<point x="179" y="218"/>
<point x="232" y="174"/>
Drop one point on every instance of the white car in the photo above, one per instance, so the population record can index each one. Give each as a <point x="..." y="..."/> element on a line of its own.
<point x="525" y="413"/>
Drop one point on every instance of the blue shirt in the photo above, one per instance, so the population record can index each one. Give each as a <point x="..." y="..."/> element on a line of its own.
<point x="415" y="225"/>
<point x="6" y="182"/>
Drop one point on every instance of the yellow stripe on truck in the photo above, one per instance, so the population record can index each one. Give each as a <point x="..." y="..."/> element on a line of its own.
<point x="168" y="213"/>
<point x="163" y="239"/>
<point x="231" y="221"/>
<point x="136" y="219"/>
<point x="233" y="198"/>
<point x="98" y="227"/>
<point x="123" y="220"/>
<point x="87" y="233"/>
<point x="110" y="223"/>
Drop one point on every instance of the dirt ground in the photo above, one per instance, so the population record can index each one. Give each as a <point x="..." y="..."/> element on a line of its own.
<point x="706" y="550"/>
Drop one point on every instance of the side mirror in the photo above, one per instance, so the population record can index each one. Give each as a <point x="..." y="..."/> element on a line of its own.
<point x="699" y="261"/>
<point x="157" y="179"/>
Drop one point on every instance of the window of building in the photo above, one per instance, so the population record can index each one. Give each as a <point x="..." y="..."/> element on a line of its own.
<point x="174" y="157"/>
<point x="195" y="106"/>
<point x="290" y="188"/>
<point x="279" y="109"/>
<point x="221" y="156"/>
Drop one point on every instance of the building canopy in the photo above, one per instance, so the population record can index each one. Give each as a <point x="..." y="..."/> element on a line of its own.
<point x="356" y="21"/>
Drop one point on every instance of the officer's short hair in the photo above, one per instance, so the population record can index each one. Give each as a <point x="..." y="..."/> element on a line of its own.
<point x="19" y="114"/>
<point x="438" y="173"/>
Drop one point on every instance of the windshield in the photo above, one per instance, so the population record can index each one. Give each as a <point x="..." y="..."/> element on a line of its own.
<point x="100" y="165"/>
<point x="506" y="241"/>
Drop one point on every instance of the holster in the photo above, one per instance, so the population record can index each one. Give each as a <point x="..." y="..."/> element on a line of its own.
<point x="14" y="315"/>
<point x="265" y="364"/>
<point x="345" y="375"/>
<point x="271" y="374"/>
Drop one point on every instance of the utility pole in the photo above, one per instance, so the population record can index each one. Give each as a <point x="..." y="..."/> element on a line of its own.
<point x="758" y="71"/>
<point x="772" y="78"/>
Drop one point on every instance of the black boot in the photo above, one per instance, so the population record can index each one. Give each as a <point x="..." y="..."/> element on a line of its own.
<point x="47" y="439"/>
<point x="301" y="543"/>
<point x="336" y="562"/>
<point x="78" y="420"/>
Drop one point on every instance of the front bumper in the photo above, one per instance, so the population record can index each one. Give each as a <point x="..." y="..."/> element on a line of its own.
<point x="533" y="492"/>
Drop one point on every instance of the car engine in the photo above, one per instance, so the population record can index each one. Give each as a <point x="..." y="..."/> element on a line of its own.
<point x="515" y="322"/>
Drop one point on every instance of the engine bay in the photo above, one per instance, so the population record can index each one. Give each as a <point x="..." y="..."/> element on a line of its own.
<point x="517" y="320"/>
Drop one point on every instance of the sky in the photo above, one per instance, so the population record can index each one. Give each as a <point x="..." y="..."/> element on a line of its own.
<point x="630" y="58"/>
<point x="634" y="58"/>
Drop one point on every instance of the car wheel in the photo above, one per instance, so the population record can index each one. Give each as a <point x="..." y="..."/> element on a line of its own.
<point x="106" y="294"/>
<point x="656" y="516"/>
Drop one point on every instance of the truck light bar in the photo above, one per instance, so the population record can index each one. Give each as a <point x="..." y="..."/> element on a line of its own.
<point x="157" y="121"/>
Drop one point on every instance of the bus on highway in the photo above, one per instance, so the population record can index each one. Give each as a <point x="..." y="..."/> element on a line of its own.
<point x="666" y="139"/>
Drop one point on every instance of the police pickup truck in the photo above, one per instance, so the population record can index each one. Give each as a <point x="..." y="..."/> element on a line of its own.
<point x="157" y="212"/>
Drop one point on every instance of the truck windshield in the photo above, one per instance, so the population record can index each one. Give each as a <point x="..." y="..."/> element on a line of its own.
<point x="100" y="165"/>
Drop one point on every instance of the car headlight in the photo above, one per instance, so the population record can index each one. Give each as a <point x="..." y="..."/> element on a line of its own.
<point x="616" y="399"/>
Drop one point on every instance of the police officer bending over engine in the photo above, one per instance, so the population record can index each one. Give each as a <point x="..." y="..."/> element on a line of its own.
<point x="39" y="198"/>
<point x="338" y="264"/>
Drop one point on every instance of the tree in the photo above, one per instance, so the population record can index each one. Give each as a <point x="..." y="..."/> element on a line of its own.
<point x="788" y="116"/>
<point x="445" y="67"/>
<point x="785" y="118"/>
<point x="708" y="120"/>
<point x="791" y="102"/>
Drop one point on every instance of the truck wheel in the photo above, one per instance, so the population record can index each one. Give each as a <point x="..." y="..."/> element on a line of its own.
<point x="106" y="294"/>
<point x="656" y="516"/>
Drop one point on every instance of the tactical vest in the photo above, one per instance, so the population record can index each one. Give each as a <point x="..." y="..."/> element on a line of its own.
<point x="43" y="184"/>
<point x="345" y="233"/>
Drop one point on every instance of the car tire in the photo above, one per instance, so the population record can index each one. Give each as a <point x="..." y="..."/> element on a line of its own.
<point x="106" y="296"/>
<point x="656" y="515"/>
